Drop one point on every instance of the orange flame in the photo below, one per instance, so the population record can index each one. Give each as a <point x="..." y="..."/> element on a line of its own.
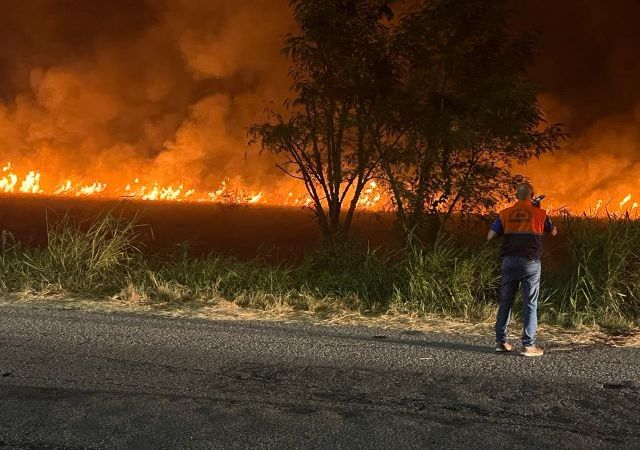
<point x="625" y="201"/>
<point x="373" y="196"/>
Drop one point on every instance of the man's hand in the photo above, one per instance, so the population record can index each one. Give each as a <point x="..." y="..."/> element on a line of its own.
<point x="491" y="234"/>
<point x="554" y="232"/>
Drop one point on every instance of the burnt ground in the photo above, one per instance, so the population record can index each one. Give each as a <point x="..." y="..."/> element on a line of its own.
<point x="74" y="379"/>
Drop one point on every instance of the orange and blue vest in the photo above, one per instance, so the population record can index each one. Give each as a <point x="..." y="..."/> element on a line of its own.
<point x="522" y="227"/>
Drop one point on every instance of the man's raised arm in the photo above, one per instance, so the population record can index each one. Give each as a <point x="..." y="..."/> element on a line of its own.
<point x="496" y="229"/>
<point x="549" y="227"/>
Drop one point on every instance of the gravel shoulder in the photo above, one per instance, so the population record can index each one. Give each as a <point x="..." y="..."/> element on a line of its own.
<point x="74" y="379"/>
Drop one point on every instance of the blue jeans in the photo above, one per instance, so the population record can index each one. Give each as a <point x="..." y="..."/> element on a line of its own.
<point x="522" y="272"/>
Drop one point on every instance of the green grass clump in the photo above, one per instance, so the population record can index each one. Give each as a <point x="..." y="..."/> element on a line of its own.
<point x="361" y="280"/>
<point x="364" y="278"/>
<point x="214" y="278"/>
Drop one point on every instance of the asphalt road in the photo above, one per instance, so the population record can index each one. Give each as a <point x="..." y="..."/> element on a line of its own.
<point x="72" y="379"/>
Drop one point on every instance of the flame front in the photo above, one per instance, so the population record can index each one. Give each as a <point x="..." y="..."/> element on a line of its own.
<point x="373" y="196"/>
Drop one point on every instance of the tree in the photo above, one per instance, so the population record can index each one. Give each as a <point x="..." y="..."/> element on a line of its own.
<point x="342" y="75"/>
<point x="465" y="111"/>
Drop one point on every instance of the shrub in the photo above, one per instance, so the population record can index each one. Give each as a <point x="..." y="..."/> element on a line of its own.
<point x="365" y="278"/>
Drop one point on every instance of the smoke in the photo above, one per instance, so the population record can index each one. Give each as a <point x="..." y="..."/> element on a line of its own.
<point x="588" y="70"/>
<point x="157" y="89"/>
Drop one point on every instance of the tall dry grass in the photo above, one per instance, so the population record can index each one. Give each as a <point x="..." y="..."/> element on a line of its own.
<point x="450" y="279"/>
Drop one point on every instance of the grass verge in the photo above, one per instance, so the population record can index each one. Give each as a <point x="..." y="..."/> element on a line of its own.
<point x="445" y="281"/>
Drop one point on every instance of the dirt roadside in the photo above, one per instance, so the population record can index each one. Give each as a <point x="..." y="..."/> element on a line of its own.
<point x="226" y="310"/>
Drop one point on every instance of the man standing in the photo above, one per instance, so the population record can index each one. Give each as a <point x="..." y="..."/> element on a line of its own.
<point x="522" y="227"/>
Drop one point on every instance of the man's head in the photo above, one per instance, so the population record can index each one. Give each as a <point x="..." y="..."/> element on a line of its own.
<point x="524" y="191"/>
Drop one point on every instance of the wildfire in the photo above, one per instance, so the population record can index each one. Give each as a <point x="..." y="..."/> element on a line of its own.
<point x="598" y="205"/>
<point x="624" y="206"/>
<point x="373" y="196"/>
<point x="256" y="198"/>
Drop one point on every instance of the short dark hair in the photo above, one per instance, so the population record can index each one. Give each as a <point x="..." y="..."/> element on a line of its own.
<point x="524" y="191"/>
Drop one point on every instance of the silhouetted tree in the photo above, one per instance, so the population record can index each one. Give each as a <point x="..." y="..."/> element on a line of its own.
<point x="342" y="72"/>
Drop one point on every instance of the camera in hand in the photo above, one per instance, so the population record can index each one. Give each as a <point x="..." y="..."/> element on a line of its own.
<point x="537" y="200"/>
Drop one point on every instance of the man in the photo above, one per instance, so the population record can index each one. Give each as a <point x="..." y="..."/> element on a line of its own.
<point x="522" y="227"/>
